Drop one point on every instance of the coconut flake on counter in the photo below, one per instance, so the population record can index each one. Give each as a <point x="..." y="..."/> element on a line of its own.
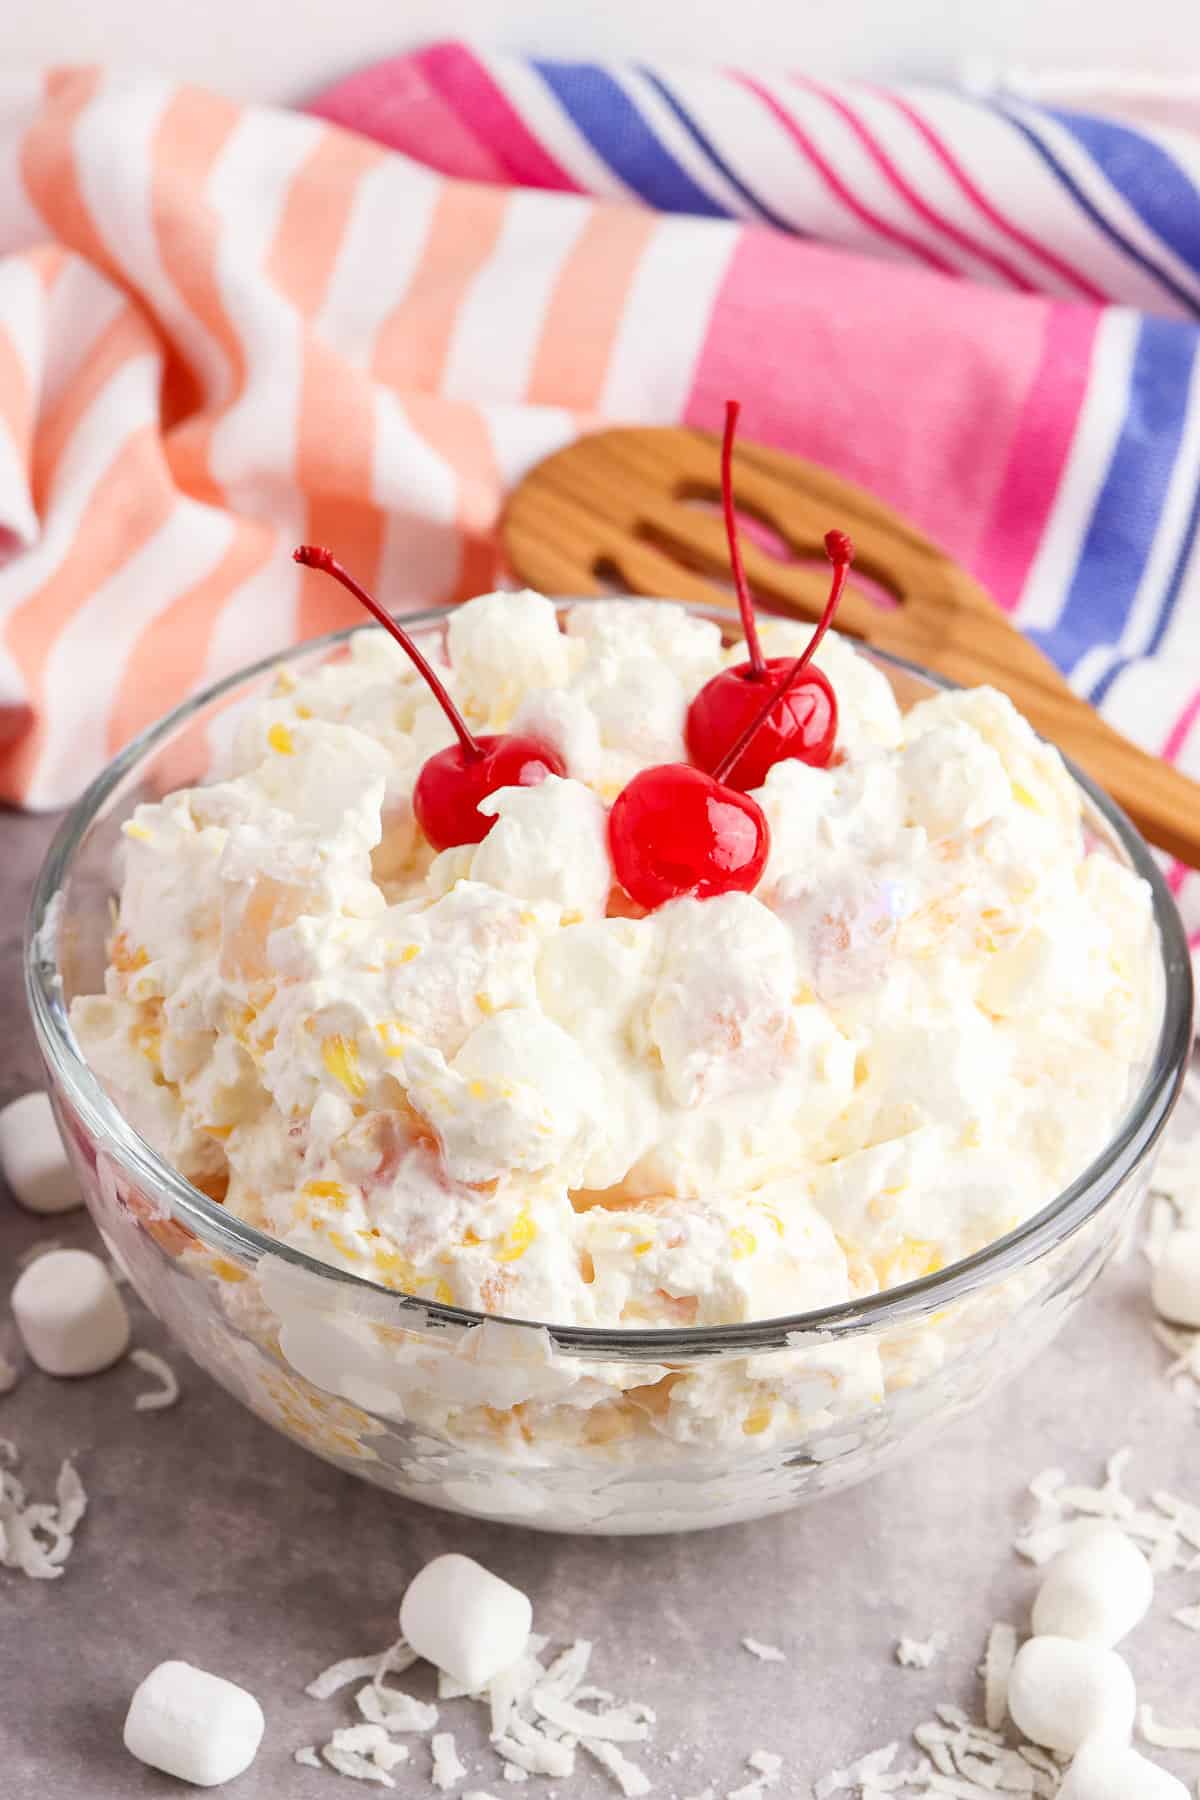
<point x="448" y="1767"/>
<point x="166" y="1394"/>
<point x="997" y="1665"/>
<point x="631" y="1780"/>
<point x="764" y="1652"/>
<point x="1166" y="1737"/>
<point x="307" y="1757"/>
<point x="24" y="1524"/>
<point x="918" y="1653"/>
<point x="394" y="1660"/>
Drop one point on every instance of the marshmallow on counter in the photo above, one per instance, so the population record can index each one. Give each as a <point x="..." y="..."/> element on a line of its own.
<point x="32" y="1157"/>
<point x="193" y="1725"/>
<point x="1061" y="1692"/>
<point x="465" y="1620"/>
<point x="1175" y="1288"/>
<point x="1103" y="1771"/>
<point x="70" y="1316"/>
<point x="1096" y="1590"/>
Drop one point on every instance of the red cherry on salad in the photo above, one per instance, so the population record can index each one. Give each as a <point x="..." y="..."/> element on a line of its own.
<point x="676" y="830"/>
<point x="798" y="715"/>
<point x="453" y="781"/>
<point x="804" y="725"/>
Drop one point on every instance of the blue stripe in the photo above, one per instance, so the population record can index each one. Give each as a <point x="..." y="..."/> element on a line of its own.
<point x="1128" y="507"/>
<point x="1167" y="611"/>
<point x="1093" y="212"/>
<point x="705" y="143"/>
<point x="602" y="110"/>
<point x="1162" y="194"/>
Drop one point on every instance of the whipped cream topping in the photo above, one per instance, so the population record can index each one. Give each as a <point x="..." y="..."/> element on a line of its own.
<point x="476" y="1078"/>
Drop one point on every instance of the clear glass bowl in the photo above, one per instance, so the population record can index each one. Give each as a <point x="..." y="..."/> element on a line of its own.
<point x="558" y="1427"/>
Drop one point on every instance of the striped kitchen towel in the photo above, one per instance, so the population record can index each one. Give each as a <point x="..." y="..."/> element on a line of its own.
<point x="225" y="329"/>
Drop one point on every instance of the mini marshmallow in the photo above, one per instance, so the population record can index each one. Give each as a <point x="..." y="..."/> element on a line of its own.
<point x="1095" y="1590"/>
<point x="465" y="1620"/>
<point x="1103" y="1771"/>
<point x="1061" y="1692"/>
<point x="70" y="1316"/>
<point x="32" y="1157"/>
<point x="1175" y="1288"/>
<point x="196" y="1726"/>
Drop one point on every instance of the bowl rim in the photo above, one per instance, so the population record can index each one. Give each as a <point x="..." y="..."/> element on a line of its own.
<point x="1142" y="1124"/>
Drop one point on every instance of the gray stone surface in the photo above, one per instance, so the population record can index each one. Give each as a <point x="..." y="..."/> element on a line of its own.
<point x="211" y="1538"/>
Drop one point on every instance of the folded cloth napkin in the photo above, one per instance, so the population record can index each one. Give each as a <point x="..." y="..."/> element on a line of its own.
<point x="225" y="329"/>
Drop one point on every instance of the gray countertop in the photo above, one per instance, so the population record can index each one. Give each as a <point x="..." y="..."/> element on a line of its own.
<point x="211" y="1538"/>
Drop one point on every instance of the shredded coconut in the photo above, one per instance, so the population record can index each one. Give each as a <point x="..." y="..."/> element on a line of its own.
<point x="628" y="1777"/>
<point x="37" y="1537"/>
<point x="1167" y="1737"/>
<point x="447" y="1765"/>
<point x="155" y="1399"/>
<point x="339" y="1674"/>
<point x="764" y="1652"/>
<point x="394" y="1710"/>
<point x="915" y="1653"/>
<point x="997" y="1663"/>
<point x="307" y="1757"/>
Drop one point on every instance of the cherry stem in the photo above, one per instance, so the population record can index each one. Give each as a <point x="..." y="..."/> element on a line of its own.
<point x="758" y="662"/>
<point x="840" y="552"/>
<point x="315" y="556"/>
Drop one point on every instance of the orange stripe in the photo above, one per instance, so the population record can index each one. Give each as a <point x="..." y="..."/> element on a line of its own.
<point x="413" y="341"/>
<point x="48" y="262"/>
<point x="335" y="434"/>
<point x="129" y="503"/>
<point x="48" y="165"/>
<point x="128" y="336"/>
<point x="314" y="218"/>
<point x="458" y="434"/>
<point x="335" y="453"/>
<point x="585" y="310"/>
<point x="191" y="134"/>
<point x="171" y="655"/>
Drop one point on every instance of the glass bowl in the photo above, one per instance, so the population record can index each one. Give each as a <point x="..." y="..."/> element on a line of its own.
<point x="558" y="1427"/>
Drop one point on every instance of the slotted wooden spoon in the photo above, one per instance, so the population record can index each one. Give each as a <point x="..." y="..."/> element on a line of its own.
<point x="614" y="508"/>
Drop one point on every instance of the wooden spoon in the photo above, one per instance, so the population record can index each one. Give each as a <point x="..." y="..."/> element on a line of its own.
<point x="613" y="508"/>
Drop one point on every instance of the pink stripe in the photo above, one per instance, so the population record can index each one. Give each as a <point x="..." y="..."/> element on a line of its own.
<point x="1178" y="735"/>
<point x="836" y="185"/>
<point x="910" y="384"/>
<point x="1038" y="452"/>
<point x="1194" y="939"/>
<point x="968" y="186"/>
<point x="466" y="86"/>
<point x="394" y="103"/>
<point x="887" y="167"/>
<point x="1177" y="874"/>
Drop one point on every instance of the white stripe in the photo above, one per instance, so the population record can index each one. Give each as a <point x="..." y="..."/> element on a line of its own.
<point x="522" y="435"/>
<point x="547" y="120"/>
<point x="417" y="491"/>
<point x="128" y="402"/>
<point x="260" y="615"/>
<point x="98" y="640"/>
<point x="498" y="329"/>
<point x="22" y="98"/>
<point x="82" y="306"/>
<point x="665" y="319"/>
<point x="1096" y="433"/>
<point x="1009" y="171"/>
<point x="252" y="453"/>
<point x="23" y="321"/>
<point x="381" y="248"/>
<point x="1137" y="288"/>
<point x="114" y="157"/>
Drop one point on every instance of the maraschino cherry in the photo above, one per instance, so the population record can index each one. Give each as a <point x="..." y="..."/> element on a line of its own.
<point x="453" y="781"/>
<point x="677" y="830"/>
<point x="802" y="725"/>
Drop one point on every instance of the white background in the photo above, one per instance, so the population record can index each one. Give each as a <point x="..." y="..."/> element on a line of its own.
<point x="283" y="49"/>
